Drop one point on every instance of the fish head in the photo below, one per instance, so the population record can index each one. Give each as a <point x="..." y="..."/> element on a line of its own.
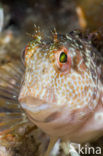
<point x="60" y="79"/>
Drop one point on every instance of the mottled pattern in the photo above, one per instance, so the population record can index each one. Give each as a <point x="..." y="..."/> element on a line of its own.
<point x="61" y="89"/>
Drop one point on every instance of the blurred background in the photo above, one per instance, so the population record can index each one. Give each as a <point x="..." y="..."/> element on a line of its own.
<point x="65" y="15"/>
<point x="23" y="14"/>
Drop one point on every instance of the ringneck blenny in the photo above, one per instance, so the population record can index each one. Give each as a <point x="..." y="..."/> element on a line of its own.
<point x="61" y="90"/>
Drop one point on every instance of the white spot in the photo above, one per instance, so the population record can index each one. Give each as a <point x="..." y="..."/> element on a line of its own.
<point x="99" y="116"/>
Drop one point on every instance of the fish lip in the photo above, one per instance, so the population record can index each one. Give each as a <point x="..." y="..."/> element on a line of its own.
<point x="35" y="109"/>
<point x="34" y="105"/>
<point x="41" y="105"/>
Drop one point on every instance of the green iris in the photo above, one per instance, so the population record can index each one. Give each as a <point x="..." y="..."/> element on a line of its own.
<point x="63" y="57"/>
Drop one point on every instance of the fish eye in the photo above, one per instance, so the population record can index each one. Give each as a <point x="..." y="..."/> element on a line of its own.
<point x="63" y="57"/>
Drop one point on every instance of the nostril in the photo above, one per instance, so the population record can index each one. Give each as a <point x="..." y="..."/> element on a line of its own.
<point x="44" y="70"/>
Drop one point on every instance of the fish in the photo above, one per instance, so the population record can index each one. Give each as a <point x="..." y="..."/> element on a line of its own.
<point x="61" y="89"/>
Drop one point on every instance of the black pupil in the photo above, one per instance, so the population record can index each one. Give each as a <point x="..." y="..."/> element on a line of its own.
<point x="63" y="57"/>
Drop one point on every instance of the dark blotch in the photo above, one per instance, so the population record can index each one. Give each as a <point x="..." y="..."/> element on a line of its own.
<point x="52" y="117"/>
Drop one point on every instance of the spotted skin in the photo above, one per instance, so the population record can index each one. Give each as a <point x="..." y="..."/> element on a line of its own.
<point x="61" y="97"/>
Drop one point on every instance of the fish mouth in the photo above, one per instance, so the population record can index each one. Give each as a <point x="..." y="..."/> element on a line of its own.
<point x="33" y="104"/>
<point x="35" y="108"/>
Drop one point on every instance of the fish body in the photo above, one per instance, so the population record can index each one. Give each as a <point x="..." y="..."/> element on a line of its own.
<point x="62" y="88"/>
